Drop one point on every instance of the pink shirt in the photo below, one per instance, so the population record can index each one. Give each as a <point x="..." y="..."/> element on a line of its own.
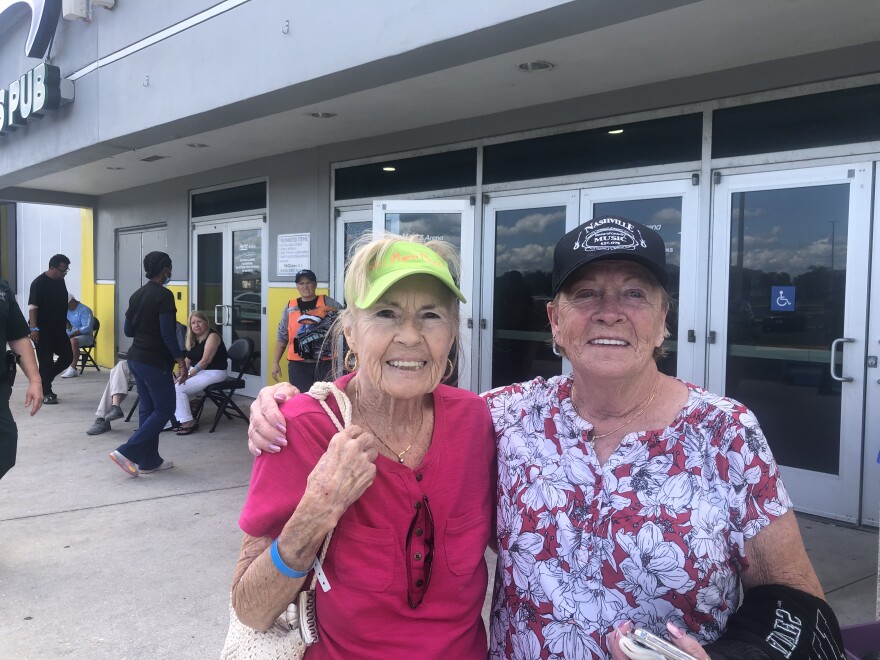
<point x="366" y="613"/>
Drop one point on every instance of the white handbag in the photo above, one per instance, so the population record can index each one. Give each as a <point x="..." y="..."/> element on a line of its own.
<point x="297" y="628"/>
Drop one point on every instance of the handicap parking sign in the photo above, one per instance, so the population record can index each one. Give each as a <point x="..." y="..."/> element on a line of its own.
<point x="782" y="299"/>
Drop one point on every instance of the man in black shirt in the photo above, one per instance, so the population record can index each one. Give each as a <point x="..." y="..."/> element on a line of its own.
<point x="47" y="314"/>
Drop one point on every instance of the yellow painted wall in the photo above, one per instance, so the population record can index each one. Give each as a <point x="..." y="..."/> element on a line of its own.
<point x="278" y="299"/>
<point x="182" y="303"/>
<point x="104" y="306"/>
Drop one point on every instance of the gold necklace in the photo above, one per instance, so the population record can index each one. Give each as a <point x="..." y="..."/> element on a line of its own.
<point x="399" y="455"/>
<point x="385" y="444"/>
<point x="594" y="437"/>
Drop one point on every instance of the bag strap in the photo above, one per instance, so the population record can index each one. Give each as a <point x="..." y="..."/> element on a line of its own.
<point x="319" y="391"/>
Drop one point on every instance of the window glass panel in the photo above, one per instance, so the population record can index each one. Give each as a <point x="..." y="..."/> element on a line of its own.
<point x="817" y="120"/>
<point x="443" y="171"/>
<point x="654" y="142"/>
<point x="246" y="281"/>
<point x="663" y="215"/>
<point x="230" y="200"/>
<point x="524" y="241"/>
<point x="786" y="305"/>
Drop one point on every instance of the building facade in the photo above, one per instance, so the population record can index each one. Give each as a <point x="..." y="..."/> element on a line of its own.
<point x="250" y="138"/>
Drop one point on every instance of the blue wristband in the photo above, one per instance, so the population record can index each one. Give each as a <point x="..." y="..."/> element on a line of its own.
<point x="283" y="568"/>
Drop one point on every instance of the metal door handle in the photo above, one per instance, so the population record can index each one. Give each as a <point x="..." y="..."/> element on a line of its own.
<point x="834" y="345"/>
<point x="227" y="316"/>
<point x="217" y="320"/>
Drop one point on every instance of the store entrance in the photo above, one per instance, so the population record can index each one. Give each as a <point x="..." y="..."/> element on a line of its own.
<point x="789" y="306"/>
<point x="228" y="285"/>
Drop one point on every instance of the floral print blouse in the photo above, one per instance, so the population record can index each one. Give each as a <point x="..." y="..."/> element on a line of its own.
<point x="655" y="534"/>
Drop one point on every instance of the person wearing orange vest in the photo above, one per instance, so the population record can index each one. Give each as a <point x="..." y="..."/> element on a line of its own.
<point x="301" y="373"/>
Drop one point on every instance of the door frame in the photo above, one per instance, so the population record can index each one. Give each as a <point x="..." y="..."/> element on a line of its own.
<point x="570" y="199"/>
<point x="871" y="458"/>
<point x="691" y="348"/>
<point x="467" y="332"/>
<point x="827" y="495"/>
<point x="226" y="226"/>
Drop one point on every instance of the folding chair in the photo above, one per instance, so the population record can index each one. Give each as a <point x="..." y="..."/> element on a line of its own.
<point x="241" y="352"/>
<point x="85" y="352"/>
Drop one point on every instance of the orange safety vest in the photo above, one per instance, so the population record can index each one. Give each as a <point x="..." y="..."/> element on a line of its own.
<point x="293" y="327"/>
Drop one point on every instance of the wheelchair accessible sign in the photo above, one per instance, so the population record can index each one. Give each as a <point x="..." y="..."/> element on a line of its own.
<point x="782" y="299"/>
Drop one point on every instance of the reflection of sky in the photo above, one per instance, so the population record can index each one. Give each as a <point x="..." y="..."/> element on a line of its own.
<point x="790" y="230"/>
<point x="524" y="238"/>
<point x="662" y="214"/>
<point x="433" y="226"/>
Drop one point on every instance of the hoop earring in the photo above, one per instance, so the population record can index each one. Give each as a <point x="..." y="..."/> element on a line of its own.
<point x="450" y="369"/>
<point x="350" y="361"/>
<point x="555" y="348"/>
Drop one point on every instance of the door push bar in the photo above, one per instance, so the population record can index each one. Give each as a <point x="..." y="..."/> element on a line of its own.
<point x="834" y="345"/>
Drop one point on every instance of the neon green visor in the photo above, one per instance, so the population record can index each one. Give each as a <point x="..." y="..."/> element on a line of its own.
<point x="402" y="259"/>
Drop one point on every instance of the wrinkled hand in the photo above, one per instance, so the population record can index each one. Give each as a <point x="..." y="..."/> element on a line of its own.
<point x="345" y="470"/>
<point x="267" y="428"/>
<point x="676" y="636"/>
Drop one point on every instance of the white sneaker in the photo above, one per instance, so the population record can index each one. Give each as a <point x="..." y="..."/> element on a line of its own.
<point x="70" y="372"/>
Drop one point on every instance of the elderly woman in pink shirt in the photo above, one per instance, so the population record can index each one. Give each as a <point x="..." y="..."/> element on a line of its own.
<point x="407" y="488"/>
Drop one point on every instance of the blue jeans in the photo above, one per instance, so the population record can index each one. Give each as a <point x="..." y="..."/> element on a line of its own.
<point x="155" y="387"/>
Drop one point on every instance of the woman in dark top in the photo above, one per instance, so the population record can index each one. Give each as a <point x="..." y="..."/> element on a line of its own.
<point x="150" y="319"/>
<point x="206" y="363"/>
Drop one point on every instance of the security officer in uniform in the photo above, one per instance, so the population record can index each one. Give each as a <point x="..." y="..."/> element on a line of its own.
<point x="14" y="331"/>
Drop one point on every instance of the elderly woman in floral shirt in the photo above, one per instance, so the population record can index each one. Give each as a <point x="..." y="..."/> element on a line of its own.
<point x="630" y="498"/>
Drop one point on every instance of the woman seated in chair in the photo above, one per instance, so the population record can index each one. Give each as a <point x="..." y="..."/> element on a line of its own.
<point x="206" y="361"/>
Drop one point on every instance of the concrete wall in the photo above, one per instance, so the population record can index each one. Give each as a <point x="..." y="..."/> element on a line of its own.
<point x="184" y="91"/>
<point x="298" y="193"/>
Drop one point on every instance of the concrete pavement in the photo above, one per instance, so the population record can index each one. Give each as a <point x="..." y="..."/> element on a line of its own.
<point x="96" y="565"/>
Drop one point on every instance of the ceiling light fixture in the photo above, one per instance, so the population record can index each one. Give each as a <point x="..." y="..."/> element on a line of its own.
<point x="616" y="131"/>
<point x="197" y="145"/>
<point x="321" y="115"/>
<point x="535" y="66"/>
<point x="112" y="167"/>
<point x="388" y="168"/>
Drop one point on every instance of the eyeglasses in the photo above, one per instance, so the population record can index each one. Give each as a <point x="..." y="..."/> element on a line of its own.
<point x="62" y="270"/>
<point x="419" y="553"/>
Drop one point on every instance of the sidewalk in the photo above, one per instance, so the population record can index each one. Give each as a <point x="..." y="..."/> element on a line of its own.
<point x="95" y="565"/>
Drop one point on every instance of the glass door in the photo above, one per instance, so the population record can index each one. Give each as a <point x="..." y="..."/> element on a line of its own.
<point x="788" y="310"/>
<point x="228" y="286"/>
<point x="670" y="208"/>
<point x="448" y="220"/>
<point x="519" y="234"/>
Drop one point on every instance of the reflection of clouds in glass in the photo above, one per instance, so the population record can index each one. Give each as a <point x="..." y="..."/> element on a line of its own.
<point x="749" y="213"/>
<point x="445" y="226"/>
<point x="669" y="214"/>
<point x="673" y="253"/>
<point x="795" y="260"/>
<point x="755" y="242"/>
<point x="524" y="259"/>
<point x="534" y="223"/>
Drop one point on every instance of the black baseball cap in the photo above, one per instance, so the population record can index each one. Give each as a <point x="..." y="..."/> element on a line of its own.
<point x="305" y="272"/>
<point x="606" y="238"/>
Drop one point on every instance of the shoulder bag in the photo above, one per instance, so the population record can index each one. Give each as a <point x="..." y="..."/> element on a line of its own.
<point x="297" y="628"/>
